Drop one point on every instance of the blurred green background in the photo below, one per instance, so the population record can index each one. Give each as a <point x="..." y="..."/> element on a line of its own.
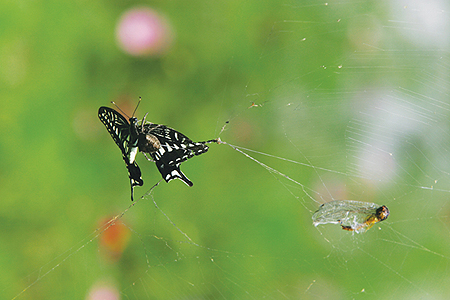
<point x="310" y="69"/>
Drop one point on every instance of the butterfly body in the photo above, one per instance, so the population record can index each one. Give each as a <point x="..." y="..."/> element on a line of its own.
<point x="148" y="143"/>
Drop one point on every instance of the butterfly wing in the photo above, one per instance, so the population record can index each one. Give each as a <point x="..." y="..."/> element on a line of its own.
<point x="134" y="172"/>
<point x="175" y="148"/>
<point x="120" y="130"/>
<point x="118" y="127"/>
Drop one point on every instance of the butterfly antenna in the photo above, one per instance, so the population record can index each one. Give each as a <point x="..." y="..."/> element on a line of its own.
<point x="137" y="106"/>
<point x="123" y="113"/>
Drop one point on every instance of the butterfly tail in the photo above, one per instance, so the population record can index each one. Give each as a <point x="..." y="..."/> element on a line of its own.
<point x="135" y="177"/>
<point x="178" y="174"/>
<point x="170" y="172"/>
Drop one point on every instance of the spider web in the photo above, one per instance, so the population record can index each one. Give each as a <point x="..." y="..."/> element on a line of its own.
<point x="344" y="101"/>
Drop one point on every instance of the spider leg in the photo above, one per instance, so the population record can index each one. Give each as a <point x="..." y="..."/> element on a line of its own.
<point x="143" y="122"/>
<point x="149" y="159"/>
<point x="159" y="125"/>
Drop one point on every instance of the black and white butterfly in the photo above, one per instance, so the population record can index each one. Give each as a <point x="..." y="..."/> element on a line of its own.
<point x="172" y="148"/>
<point x="167" y="147"/>
<point x="125" y="134"/>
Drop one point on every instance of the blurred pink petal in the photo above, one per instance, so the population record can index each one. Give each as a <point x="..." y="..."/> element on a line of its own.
<point x="143" y="32"/>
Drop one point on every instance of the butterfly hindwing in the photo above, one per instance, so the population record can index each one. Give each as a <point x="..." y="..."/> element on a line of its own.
<point x="170" y="172"/>
<point x="134" y="172"/>
<point x="174" y="149"/>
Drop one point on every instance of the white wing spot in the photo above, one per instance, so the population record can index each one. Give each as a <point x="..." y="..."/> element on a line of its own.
<point x="133" y="153"/>
<point x="175" y="173"/>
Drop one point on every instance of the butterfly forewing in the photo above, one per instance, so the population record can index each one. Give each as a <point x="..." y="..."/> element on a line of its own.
<point x="119" y="129"/>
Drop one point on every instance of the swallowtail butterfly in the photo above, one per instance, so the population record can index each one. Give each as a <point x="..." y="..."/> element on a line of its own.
<point x="169" y="148"/>
<point x="125" y="134"/>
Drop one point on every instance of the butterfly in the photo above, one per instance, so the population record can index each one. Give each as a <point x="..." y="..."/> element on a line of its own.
<point x="167" y="147"/>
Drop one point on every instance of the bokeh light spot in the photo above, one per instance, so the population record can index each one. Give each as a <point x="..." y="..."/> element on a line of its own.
<point x="143" y="32"/>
